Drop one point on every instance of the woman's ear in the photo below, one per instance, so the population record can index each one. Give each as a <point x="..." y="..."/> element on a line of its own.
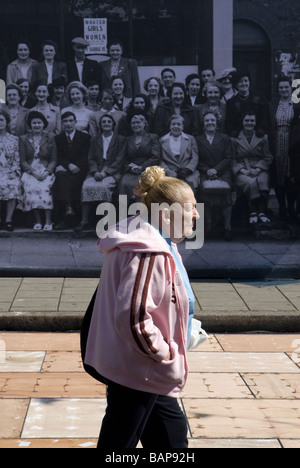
<point x="166" y="218"/>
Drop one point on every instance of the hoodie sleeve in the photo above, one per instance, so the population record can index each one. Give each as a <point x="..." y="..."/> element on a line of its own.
<point x="141" y="290"/>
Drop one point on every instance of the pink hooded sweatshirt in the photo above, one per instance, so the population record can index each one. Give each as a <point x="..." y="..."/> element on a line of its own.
<point x="140" y="313"/>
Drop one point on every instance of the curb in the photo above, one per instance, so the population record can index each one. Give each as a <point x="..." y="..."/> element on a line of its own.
<point x="289" y="272"/>
<point x="212" y="321"/>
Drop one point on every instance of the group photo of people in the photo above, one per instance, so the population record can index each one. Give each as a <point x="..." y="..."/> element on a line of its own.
<point x="77" y="133"/>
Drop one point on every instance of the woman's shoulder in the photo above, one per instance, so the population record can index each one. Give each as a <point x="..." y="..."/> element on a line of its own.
<point x="11" y="138"/>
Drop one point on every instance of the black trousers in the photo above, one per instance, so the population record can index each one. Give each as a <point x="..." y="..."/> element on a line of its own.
<point x="68" y="187"/>
<point x="157" y="421"/>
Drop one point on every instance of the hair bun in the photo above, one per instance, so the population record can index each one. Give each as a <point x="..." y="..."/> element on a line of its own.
<point x="148" y="179"/>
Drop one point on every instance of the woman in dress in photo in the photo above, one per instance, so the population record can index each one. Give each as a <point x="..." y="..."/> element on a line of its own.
<point x="10" y="172"/>
<point x="22" y="67"/>
<point x="38" y="163"/>
<point x="163" y="113"/>
<point x="49" y="69"/>
<point x="213" y="92"/>
<point x="179" y="154"/>
<point x="52" y="113"/>
<point x="17" y="113"/>
<point x="215" y="160"/>
<point x="118" y="66"/>
<point x="122" y="101"/>
<point x="105" y="159"/>
<point x="251" y="168"/>
<point x="153" y="86"/>
<point x="77" y="94"/>
<point x="143" y="150"/>
<point x="283" y="112"/>
<point x="107" y="107"/>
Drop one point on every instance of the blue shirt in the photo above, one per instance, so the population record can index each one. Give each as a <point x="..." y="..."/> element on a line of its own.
<point x="186" y="281"/>
<point x="188" y="288"/>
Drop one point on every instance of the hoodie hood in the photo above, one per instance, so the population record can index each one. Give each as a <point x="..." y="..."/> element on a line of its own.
<point x="133" y="235"/>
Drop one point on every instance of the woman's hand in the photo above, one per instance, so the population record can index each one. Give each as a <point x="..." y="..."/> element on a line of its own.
<point x="212" y="174"/>
<point x="99" y="176"/>
<point x="168" y="357"/>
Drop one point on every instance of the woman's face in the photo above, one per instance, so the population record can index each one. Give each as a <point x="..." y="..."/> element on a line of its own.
<point x="249" y="123"/>
<point x="37" y="125"/>
<point x="107" y="124"/>
<point x="194" y="87"/>
<point x="12" y="97"/>
<point x="107" y="101"/>
<point x="227" y="82"/>
<point x="285" y="90"/>
<point x="243" y="85"/>
<point x="213" y="94"/>
<point x="176" y="127"/>
<point x="177" y="96"/>
<point x="153" y="88"/>
<point x="139" y="103"/>
<point x="183" y="217"/>
<point x="93" y="91"/>
<point x="115" y="52"/>
<point x="24" y="87"/>
<point x="59" y="91"/>
<point x="3" y="122"/>
<point x="210" y="123"/>
<point x="42" y="93"/>
<point x="49" y="52"/>
<point x="118" y="86"/>
<point x="138" y="124"/>
<point x="23" y="51"/>
<point x="76" y="96"/>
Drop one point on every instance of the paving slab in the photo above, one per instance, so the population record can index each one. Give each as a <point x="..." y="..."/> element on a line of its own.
<point x="243" y="391"/>
<point x="64" y="418"/>
<point x="247" y="419"/>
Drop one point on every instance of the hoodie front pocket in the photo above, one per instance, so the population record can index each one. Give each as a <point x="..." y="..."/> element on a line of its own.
<point x="140" y="365"/>
<point x="170" y="371"/>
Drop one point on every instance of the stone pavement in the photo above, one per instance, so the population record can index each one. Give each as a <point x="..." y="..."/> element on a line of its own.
<point x="58" y="304"/>
<point x="243" y="391"/>
<point x="65" y="254"/>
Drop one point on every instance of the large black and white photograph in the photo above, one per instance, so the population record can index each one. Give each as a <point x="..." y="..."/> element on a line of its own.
<point x="156" y="145"/>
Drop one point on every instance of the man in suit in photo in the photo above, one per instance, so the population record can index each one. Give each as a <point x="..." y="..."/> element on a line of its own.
<point x="72" y="166"/>
<point x="81" y="68"/>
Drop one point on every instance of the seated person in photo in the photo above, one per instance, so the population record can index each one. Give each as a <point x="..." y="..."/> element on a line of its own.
<point x="142" y="151"/>
<point x="105" y="160"/>
<point x="251" y="168"/>
<point x="38" y="163"/>
<point x="10" y="172"/>
<point x="72" y="165"/>
<point x="215" y="161"/>
<point x="179" y="154"/>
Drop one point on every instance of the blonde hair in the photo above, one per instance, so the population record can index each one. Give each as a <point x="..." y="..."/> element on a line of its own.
<point x="155" y="187"/>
